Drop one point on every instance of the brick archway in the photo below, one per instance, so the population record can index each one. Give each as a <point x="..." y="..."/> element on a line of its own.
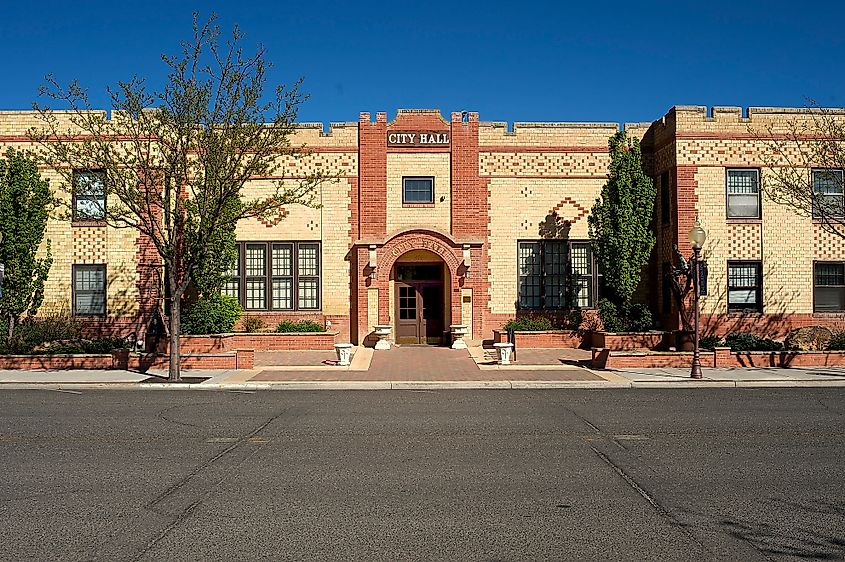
<point x="406" y="242"/>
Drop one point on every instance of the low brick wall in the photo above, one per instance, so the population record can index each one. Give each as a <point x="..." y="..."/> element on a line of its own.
<point x="56" y="362"/>
<point x="543" y="340"/>
<point x="239" y="359"/>
<point x="631" y="340"/>
<point x="262" y="341"/>
<point x="720" y="357"/>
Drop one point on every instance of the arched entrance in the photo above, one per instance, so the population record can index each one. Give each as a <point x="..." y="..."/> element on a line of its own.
<point x="420" y="302"/>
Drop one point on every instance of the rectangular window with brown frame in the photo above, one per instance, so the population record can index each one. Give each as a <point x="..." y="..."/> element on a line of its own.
<point x="828" y="193"/>
<point x="89" y="195"/>
<point x="829" y="287"/>
<point x="743" y="193"/>
<point x="89" y="290"/>
<point x="665" y="199"/>
<point x="745" y="286"/>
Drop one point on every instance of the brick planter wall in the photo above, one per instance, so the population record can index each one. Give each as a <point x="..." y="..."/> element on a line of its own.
<point x="239" y="359"/>
<point x="631" y="340"/>
<point x="721" y="358"/>
<point x="263" y="341"/>
<point x="549" y="340"/>
<point x="56" y="362"/>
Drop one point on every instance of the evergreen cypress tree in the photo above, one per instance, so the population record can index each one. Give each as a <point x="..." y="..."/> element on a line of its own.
<point x="620" y="221"/>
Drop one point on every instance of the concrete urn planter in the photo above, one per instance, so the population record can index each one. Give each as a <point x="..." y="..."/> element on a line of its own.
<point x="382" y="332"/>
<point x="503" y="353"/>
<point x="459" y="332"/>
<point x="344" y="353"/>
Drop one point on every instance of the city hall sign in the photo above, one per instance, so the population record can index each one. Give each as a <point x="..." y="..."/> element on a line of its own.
<point x="418" y="138"/>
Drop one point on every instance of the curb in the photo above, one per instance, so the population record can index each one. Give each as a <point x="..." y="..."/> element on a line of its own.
<point x="426" y="385"/>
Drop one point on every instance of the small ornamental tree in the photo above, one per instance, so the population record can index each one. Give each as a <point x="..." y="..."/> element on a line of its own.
<point x="176" y="162"/>
<point x="620" y="221"/>
<point x="805" y="159"/>
<point x="25" y="203"/>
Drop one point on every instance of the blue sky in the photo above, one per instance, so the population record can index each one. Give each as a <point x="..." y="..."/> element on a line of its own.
<point x="510" y="61"/>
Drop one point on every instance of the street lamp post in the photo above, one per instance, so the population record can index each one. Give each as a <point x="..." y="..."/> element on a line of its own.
<point x="697" y="235"/>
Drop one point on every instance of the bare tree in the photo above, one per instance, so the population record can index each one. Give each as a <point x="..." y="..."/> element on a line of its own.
<point x="174" y="163"/>
<point x="806" y="159"/>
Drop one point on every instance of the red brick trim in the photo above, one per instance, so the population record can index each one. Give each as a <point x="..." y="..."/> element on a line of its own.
<point x="582" y="212"/>
<point x="575" y="149"/>
<point x="547" y="177"/>
<point x="280" y="216"/>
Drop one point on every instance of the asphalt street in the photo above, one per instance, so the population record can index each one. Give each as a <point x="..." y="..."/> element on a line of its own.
<point x="726" y="474"/>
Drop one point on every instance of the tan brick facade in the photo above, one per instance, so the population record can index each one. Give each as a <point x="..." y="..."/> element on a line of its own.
<point x="494" y="186"/>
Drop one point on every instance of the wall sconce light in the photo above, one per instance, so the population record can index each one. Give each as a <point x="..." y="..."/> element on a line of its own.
<point x="467" y="260"/>
<point x="373" y="263"/>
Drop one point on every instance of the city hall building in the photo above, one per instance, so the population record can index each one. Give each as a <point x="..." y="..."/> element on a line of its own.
<point x="437" y="221"/>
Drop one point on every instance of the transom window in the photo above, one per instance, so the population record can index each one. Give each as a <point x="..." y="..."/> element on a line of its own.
<point x="555" y="274"/>
<point x="417" y="190"/>
<point x="276" y="276"/>
<point x="743" y="194"/>
<point x="828" y="193"/>
<point x="829" y="287"/>
<point x="745" y="282"/>
<point x="89" y="195"/>
<point x="89" y="290"/>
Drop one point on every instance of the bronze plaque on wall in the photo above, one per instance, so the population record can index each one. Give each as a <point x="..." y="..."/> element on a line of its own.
<point x="418" y="138"/>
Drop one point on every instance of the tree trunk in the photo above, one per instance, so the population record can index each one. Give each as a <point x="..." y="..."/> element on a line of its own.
<point x="11" y="327"/>
<point x="173" y="374"/>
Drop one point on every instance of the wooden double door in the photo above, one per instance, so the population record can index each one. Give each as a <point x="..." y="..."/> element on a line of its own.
<point x="419" y="304"/>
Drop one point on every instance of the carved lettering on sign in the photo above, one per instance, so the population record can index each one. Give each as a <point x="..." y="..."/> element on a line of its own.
<point x="418" y="138"/>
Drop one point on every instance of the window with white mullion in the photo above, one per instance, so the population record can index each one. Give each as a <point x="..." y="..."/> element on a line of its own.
<point x="308" y="276"/>
<point x="745" y="286"/>
<point x="828" y="193"/>
<point x="232" y="285"/>
<point x="829" y="287"/>
<point x="282" y="277"/>
<point x="255" y="270"/>
<point x="581" y="264"/>
<point x="743" y="193"/>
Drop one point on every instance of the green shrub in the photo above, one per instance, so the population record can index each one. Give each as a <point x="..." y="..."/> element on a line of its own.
<point x="529" y="324"/>
<point x="288" y="326"/>
<point x="34" y="332"/>
<point x="253" y="324"/>
<point x="610" y="317"/>
<point x="741" y="341"/>
<point x="837" y="341"/>
<point x="639" y="318"/>
<point x="101" y="345"/>
<point x="574" y="319"/>
<point x="710" y="342"/>
<point x="213" y="315"/>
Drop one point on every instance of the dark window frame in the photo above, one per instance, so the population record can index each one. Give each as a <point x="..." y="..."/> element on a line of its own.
<point x="665" y="198"/>
<point x="74" y="291"/>
<point x="406" y="201"/>
<point x="815" y="286"/>
<point x="269" y="277"/>
<point x="813" y="173"/>
<point x="74" y="199"/>
<point x="570" y="278"/>
<point x="758" y="286"/>
<point x="728" y="215"/>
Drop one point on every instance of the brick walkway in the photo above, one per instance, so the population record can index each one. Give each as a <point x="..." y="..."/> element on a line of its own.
<point x="424" y="363"/>
<point x="294" y="358"/>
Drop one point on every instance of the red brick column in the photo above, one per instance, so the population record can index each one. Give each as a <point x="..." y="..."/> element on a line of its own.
<point x="372" y="176"/>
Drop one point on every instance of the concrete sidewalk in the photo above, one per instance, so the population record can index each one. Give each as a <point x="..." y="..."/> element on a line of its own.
<point x="258" y="379"/>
